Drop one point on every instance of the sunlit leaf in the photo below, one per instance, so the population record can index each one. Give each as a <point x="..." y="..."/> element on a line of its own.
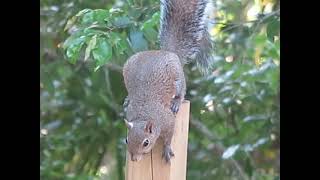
<point x="82" y="12"/>
<point x="53" y="125"/>
<point x="70" y="23"/>
<point x="227" y="100"/>
<point x="91" y="45"/>
<point x="96" y="68"/>
<point x="152" y="22"/>
<point x="47" y="153"/>
<point x="255" y="117"/>
<point x="230" y="151"/>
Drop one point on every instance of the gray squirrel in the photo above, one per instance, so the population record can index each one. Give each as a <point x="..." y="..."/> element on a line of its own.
<point x="155" y="80"/>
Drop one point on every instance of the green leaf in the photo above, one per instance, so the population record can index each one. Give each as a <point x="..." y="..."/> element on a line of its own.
<point x="46" y="153"/>
<point x="122" y="46"/>
<point x="73" y="45"/>
<point x="152" y="22"/>
<point x="273" y="29"/>
<point x="151" y="34"/>
<point x="146" y="25"/>
<point x="118" y="42"/>
<point x="71" y="39"/>
<point x="90" y="32"/>
<point x="130" y="2"/>
<point x="88" y="18"/>
<point x="102" y="52"/>
<point x="101" y="16"/>
<point x="114" y="38"/>
<point x="134" y="12"/>
<point x="220" y="111"/>
<point x="273" y="51"/>
<point x="98" y="16"/>
<point x="122" y="22"/>
<point x="260" y="39"/>
<point x="64" y="71"/>
<point x="72" y="20"/>
<point x="156" y="17"/>
<point x="48" y="84"/>
<point x="91" y="45"/>
<point x="138" y="43"/>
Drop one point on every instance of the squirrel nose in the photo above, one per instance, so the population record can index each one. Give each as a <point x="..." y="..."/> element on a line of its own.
<point x="133" y="158"/>
<point x="136" y="158"/>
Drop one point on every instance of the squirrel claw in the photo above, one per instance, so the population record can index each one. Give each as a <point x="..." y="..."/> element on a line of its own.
<point x="175" y="105"/>
<point x="125" y="106"/>
<point x="167" y="154"/>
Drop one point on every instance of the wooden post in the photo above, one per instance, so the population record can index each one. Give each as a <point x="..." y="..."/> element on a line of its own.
<point x="153" y="167"/>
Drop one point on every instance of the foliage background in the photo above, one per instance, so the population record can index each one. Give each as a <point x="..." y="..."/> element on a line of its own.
<point x="235" y="122"/>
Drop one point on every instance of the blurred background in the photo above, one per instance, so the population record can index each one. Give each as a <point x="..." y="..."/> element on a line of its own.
<point x="235" y="122"/>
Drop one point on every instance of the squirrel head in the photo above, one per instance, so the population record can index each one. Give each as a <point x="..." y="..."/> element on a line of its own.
<point x="142" y="136"/>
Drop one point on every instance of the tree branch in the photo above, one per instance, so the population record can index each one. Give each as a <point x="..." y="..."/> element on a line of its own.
<point x="114" y="67"/>
<point x="259" y="21"/>
<point x="219" y="148"/>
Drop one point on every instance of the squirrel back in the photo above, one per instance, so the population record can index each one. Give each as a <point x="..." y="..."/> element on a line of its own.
<point x="183" y="31"/>
<point x="149" y="76"/>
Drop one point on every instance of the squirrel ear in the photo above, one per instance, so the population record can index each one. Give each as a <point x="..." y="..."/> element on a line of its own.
<point x="128" y="124"/>
<point x="149" y="127"/>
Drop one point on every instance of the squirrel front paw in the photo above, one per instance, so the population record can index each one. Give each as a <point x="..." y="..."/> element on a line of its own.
<point x="167" y="153"/>
<point x="175" y="104"/>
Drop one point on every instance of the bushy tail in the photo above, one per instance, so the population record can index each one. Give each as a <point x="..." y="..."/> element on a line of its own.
<point x="183" y="30"/>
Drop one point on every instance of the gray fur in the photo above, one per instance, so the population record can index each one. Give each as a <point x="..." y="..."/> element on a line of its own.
<point x="152" y="79"/>
<point x="155" y="79"/>
<point x="183" y="31"/>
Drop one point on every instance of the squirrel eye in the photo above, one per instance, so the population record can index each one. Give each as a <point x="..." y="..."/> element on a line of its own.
<point x="146" y="143"/>
<point x="126" y="140"/>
